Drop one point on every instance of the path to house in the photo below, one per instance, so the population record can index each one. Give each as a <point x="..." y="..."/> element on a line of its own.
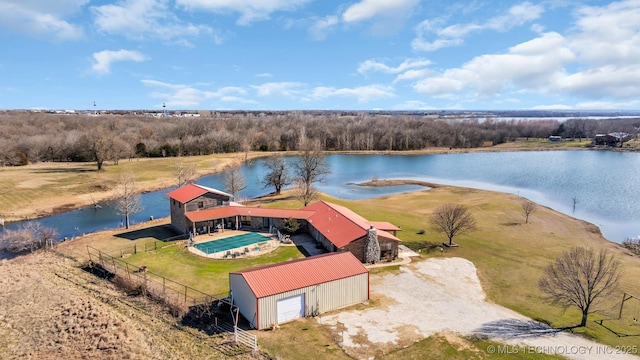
<point x="419" y="302"/>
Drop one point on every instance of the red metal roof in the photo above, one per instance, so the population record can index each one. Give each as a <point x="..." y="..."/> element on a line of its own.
<point x="192" y="191"/>
<point x="227" y="211"/>
<point x="383" y="225"/>
<point x="187" y="192"/>
<point x="339" y="224"/>
<point x="291" y="275"/>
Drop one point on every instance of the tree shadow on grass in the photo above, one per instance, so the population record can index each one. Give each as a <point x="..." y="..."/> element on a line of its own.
<point x="517" y="329"/>
<point x="160" y="232"/>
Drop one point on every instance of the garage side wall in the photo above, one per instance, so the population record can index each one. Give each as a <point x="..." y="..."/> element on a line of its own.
<point x="342" y="293"/>
<point x="319" y="298"/>
<point x="244" y="298"/>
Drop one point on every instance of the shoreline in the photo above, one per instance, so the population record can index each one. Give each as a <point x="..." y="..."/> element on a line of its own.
<point x="73" y="202"/>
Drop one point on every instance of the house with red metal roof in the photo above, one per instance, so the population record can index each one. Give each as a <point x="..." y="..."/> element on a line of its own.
<point x="274" y="294"/>
<point x="197" y="209"/>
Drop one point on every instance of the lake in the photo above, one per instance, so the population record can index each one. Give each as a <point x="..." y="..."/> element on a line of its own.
<point x="604" y="184"/>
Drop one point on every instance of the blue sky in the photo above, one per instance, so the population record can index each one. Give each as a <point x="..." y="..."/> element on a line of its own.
<point x="305" y="54"/>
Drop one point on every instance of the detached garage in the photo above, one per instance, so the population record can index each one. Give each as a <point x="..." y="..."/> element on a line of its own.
<point x="275" y="294"/>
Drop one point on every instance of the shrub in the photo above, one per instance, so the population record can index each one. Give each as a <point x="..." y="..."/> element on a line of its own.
<point x="291" y="226"/>
<point x="633" y="245"/>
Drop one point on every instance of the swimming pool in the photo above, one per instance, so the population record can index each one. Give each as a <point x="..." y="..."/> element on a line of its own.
<point x="231" y="242"/>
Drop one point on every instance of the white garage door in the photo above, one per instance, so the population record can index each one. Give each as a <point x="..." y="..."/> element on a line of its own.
<point x="290" y="308"/>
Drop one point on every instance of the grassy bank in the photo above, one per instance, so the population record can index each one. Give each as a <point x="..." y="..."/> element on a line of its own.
<point x="44" y="188"/>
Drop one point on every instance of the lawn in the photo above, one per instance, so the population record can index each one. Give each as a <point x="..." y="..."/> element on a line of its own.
<point x="207" y="275"/>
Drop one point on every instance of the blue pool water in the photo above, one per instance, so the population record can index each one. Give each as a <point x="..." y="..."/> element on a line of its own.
<point x="231" y="242"/>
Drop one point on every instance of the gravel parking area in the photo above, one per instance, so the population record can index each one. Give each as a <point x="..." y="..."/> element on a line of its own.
<point x="444" y="295"/>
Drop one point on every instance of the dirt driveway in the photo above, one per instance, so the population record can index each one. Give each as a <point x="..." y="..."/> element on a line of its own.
<point x="419" y="302"/>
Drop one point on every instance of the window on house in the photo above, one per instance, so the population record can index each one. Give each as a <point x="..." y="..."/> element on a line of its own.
<point x="200" y="204"/>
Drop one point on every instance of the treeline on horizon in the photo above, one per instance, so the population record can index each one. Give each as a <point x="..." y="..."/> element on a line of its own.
<point x="27" y="137"/>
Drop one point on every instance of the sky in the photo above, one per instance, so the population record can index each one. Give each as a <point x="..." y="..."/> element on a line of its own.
<point x="320" y="55"/>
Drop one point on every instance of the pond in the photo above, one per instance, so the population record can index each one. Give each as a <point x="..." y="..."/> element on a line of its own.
<point x="601" y="187"/>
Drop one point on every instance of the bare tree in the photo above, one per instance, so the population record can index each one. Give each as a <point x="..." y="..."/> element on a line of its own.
<point x="277" y="175"/>
<point x="311" y="167"/>
<point x="528" y="208"/>
<point x="580" y="277"/>
<point x="234" y="181"/>
<point x="453" y="220"/>
<point x="31" y="237"/>
<point x="185" y="173"/>
<point x="126" y="200"/>
<point x="305" y="193"/>
<point x="99" y="145"/>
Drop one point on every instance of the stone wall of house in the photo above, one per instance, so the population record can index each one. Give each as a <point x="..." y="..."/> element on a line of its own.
<point x="357" y="248"/>
<point x="206" y="201"/>
<point x="178" y="220"/>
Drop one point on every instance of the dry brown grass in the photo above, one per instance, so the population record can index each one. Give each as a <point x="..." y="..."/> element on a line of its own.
<point x="51" y="309"/>
<point x="40" y="189"/>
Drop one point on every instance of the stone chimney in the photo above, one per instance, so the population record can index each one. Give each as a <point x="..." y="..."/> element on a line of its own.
<point x="372" y="247"/>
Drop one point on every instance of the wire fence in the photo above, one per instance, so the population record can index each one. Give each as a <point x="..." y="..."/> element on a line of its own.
<point x="139" y="279"/>
<point x="177" y="296"/>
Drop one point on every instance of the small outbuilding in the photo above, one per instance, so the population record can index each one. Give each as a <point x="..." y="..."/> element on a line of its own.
<point x="275" y="294"/>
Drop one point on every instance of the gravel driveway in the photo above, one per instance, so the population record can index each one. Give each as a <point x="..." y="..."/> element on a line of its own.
<point x="419" y="302"/>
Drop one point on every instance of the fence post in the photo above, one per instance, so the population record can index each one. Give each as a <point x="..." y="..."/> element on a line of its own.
<point x="115" y="268"/>
<point x="185" y="295"/>
<point x="135" y="249"/>
<point x="128" y="272"/>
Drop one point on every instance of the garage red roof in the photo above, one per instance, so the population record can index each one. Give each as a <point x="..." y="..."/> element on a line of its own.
<point x="291" y="275"/>
<point x="192" y="191"/>
<point x="227" y="211"/>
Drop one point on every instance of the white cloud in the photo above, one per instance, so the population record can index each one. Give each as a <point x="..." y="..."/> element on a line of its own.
<point x="264" y="75"/>
<point x="602" y="105"/>
<point x="454" y="35"/>
<point x="321" y="27"/>
<point x="250" y="10"/>
<point x="609" y="34"/>
<point x="413" y="105"/>
<point x="139" y="19"/>
<point x="288" y="89"/>
<point x="596" y="61"/>
<point x="105" y="58"/>
<point x="552" y="107"/>
<point x="362" y="93"/>
<point x="42" y="18"/>
<point x="189" y="96"/>
<point x="415" y="74"/>
<point x="373" y="65"/>
<point x="535" y="64"/>
<point x="367" y="9"/>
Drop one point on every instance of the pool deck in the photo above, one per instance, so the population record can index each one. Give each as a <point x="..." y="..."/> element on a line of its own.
<point x="264" y="246"/>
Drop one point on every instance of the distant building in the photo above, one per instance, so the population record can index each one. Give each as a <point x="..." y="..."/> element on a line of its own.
<point x="615" y="139"/>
